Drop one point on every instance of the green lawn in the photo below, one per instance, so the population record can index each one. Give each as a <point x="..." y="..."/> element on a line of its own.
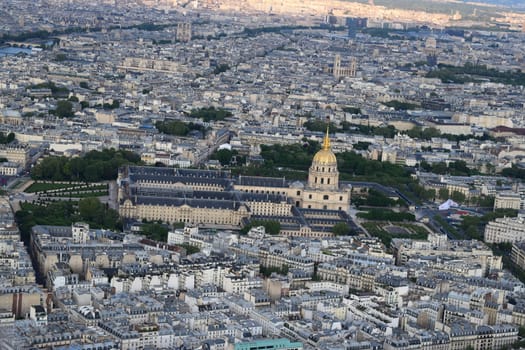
<point x="84" y="194"/>
<point x="376" y="229"/>
<point x="59" y="188"/>
<point x="83" y="187"/>
<point x="47" y="186"/>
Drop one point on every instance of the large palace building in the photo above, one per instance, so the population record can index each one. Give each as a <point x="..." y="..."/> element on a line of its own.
<point x="211" y="198"/>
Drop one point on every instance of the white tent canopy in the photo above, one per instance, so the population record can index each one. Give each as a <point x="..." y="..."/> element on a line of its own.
<point x="448" y="204"/>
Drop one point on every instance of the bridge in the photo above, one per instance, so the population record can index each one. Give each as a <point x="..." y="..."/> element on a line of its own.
<point x="20" y="44"/>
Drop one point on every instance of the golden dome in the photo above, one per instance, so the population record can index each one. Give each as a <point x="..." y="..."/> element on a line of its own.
<point x="325" y="155"/>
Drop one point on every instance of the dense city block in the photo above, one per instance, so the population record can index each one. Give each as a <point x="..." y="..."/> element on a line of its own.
<point x="262" y="174"/>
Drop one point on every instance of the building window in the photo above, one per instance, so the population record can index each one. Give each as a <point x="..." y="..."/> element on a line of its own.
<point x="325" y="207"/>
<point x="322" y="181"/>
<point x="325" y="197"/>
<point x="328" y="181"/>
<point x="340" y="198"/>
<point x="309" y="207"/>
<point x="298" y="193"/>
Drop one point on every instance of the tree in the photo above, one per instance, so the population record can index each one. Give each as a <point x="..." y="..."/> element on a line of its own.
<point x="484" y="201"/>
<point x="417" y="132"/>
<point x="210" y="114"/>
<point x="111" y="219"/>
<point x="75" y="168"/>
<point x="474" y="233"/>
<point x="361" y="145"/>
<point x="443" y="193"/>
<point x="400" y="106"/>
<point x="490" y="168"/>
<point x="457" y="196"/>
<point x="94" y="166"/>
<point x="155" y="231"/>
<point x="440" y="168"/>
<point x="93" y="172"/>
<point x="64" y="109"/>
<point x="319" y="125"/>
<point x="84" y="85"/>
<point x="296" y="156"/>
<point x="521" y="331"/>
<point x="267" y="271"/>
<point x="388" y="131"/>
<point x="174" y="127"/>
<point x="460" y="168"/>
<point x="378" y="199"/>
<point x="341" y="229"/>
<point x="221" y="68"/>
<point x="386" y="215"/>
<point x="224" y="156"/>
<point x="178" y="128"/>
<point x="115" y="104"/>
<point x="514" y="172"/>
<point x="7" y="139"/>
<point x="421" y="193"/>
<point x="190" y="249"/>
<point x="352" y="110"/>
<point x="51" y="168"/>
<point x="425" y="166"/>
<point x="271" y="227"/>
<point x="60" y="57"/>
<point x="91" y="210"/>
<point x="430" y="133"/>
<point x="471" y="72"/>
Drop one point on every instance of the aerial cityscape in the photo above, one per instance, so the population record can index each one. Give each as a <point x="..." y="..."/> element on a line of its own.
<point x="262" y="174"/>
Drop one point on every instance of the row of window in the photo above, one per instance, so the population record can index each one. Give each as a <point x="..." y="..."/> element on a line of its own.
<point x="322" y="169"/>
<point x="267" y="192"/>
<point x="326" y="197"/>
<point x="324" y="207"/>
<point x="322" y="181"/>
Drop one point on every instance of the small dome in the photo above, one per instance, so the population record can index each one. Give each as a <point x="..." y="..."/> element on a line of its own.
<point x="297" y="184"/>
<point x="325" y="156"/>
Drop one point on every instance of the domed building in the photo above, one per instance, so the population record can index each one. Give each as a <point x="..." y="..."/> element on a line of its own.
<point x="322" y="190"/>
<point x="323" y="174"/>
<point x="209" y="198"/>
